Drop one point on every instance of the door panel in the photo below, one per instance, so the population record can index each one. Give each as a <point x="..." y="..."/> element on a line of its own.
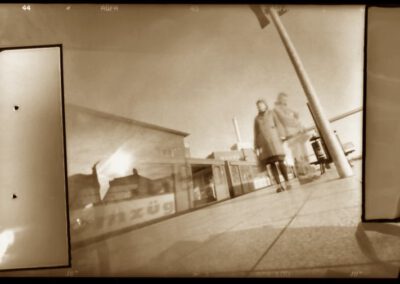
<point x="33" y="207"/>
<point x="236" y="183"/>
<point x="221" y="184"/>
<point x="381" y="195"/>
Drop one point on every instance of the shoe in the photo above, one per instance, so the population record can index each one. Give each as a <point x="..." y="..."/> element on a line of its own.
<point x="280" y="188"/>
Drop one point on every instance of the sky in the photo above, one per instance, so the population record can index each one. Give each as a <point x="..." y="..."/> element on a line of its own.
<point x="194" y="68"/>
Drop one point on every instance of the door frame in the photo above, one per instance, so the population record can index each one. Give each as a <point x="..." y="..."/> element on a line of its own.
<point x="60" y="46"/>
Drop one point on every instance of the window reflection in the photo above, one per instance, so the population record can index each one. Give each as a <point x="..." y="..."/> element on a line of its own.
<point x="203" y="185"/>
<point x="148" y="193"/>
<point x="6" y="240"/>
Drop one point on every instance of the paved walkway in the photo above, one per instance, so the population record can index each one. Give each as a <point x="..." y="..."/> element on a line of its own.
<point x="313" y="230"/>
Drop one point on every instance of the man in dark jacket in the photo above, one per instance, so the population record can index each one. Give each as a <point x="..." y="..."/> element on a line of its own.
<point x="268" y="143"/>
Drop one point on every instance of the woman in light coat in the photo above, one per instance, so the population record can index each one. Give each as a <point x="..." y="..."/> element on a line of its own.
<point x="293" y="132"/>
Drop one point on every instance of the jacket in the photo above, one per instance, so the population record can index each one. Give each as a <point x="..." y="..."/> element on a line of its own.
<point x="289" y="122"/>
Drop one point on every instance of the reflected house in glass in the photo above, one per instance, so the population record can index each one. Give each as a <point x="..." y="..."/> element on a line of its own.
<point x="122" y="173"/>
<point x="128" y="187"/>
<point x="86" y="189"/>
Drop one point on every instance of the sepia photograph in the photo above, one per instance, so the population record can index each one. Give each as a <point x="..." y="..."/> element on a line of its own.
<point x="201" y="140"/>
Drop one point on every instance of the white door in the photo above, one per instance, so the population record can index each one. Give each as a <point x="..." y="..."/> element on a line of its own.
<point x="382" y="132"/>
<point x="33" y="207"/>
<point x="220" y="181"/>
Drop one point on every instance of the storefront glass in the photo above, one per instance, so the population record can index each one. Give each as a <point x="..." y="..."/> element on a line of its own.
<point x="221" y="182"/>
<point x="204" y="190"/>
<point x="260" y="178"/>
<point x="122" y="174"/>
<point x="147" y="194"/>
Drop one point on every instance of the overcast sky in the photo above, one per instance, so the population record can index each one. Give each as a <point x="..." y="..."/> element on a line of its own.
<point x="193" y="68"/>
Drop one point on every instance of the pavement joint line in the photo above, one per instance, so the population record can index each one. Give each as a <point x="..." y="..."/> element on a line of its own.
<point x="330" y="196"/>
<point x="279" y="235"/>
<point x="330" y="266"/>
<point x="237" y="273"/>
<point x="309" y="190"/>
<point x="179" y="259"/>
<point x="303" y="268"/>
<point x="330" y="210"/>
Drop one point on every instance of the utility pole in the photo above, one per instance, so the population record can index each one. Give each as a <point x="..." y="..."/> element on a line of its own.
<point x="237" y="132"/>
<point x="238" y="138"/>
<point x="335" y="149"/>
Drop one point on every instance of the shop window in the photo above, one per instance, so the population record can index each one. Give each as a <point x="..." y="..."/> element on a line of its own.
<point x="204" y="190"/>
<point x="145" y="195"/>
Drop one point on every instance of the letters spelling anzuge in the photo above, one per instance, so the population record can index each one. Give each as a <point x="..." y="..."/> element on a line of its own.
<point x="152" y="208"/>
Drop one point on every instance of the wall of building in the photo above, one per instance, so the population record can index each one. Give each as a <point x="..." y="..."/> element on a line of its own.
<point x="123" y="166"/>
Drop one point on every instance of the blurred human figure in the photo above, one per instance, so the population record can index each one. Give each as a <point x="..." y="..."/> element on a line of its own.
<point x="196" y="193"/>
<point x="288" y="117"/>
<point x="211" y="195"/>
<point x="292" y="131"/>
<point x="268" y="144"/>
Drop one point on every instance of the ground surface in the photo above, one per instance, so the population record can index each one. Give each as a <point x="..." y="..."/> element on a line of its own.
<point x="313" y="230"/>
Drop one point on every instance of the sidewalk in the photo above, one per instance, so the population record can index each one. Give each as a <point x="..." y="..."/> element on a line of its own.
<point x="311" y="231"/>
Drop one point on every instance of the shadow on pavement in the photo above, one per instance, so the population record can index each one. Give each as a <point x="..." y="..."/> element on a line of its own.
<point x="299" y="252"/>
<point x="366" y="245"/>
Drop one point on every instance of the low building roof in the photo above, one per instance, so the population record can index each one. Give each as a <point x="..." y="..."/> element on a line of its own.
<point x="123" y="119"/>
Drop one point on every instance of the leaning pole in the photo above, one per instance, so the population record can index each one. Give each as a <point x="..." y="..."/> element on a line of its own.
<point x="342" y="165"/>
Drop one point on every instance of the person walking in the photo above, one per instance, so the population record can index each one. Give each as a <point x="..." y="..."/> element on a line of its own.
<point x="268" y="144"/>
<point x="293" y="133"/>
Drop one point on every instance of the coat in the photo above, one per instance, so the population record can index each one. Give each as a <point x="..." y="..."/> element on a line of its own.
<point x="290" y="124"/>
<point x="266" y="135"/>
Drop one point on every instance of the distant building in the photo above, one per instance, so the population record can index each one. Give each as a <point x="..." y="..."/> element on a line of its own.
<point x="187" y="150"/>
<point x="148" y="173"/>
<point x="143" y="166"/>
<point x="235" y="155"/>
<point x="127" y="187"/>
<point x="83" y="189"/>
<point x="241" y="146"/>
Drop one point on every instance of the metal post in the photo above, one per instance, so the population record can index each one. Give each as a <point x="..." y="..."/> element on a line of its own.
<point x="236" y="126"/>
<point x="338" y="157"/>
<point x="238" y="138"/>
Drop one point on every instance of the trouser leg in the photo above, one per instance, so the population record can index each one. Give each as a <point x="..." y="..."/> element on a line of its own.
<point x="275" y="173"/>
<point x="283" y="169"/>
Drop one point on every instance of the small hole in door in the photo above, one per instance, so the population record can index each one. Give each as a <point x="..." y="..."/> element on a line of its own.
<point x="16" y="107"/>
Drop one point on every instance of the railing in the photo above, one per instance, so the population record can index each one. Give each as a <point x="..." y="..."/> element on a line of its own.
<point x="340" y="118"/>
